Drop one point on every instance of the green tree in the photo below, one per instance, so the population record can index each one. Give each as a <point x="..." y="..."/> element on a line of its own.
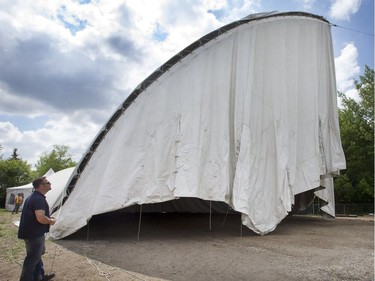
<point x="15" y="154"/>
<point x="356" y="185"/>
<point x="13" y="172"/>
<point x="58" y="159"/>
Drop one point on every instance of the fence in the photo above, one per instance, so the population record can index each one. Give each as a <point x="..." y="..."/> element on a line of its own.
<point x="342" y="209"/>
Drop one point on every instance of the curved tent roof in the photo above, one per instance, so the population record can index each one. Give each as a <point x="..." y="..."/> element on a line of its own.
<point x="246" y="115"/>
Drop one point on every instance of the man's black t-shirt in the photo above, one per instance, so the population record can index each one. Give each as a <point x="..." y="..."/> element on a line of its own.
<point x="29" y="226"/>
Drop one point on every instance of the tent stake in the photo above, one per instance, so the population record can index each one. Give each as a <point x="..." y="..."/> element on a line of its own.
<point x="139" y="224"/>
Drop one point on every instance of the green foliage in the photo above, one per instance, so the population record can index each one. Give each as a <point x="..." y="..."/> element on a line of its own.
<point x="15" y="172"/>
<point x="356" y="185"/>
<point x="58" y="159"/>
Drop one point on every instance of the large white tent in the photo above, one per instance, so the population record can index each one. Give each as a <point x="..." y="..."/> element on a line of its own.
<point x="246" y="115"/>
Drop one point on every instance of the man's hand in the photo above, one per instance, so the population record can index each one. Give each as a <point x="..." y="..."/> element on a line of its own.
<point x="43" y="219"/>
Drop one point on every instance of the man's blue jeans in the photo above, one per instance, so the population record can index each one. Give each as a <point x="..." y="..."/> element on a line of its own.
<point x="32" y="269"/>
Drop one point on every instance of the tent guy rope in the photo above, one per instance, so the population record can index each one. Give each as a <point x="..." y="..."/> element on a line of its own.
<point x="351" y="29"/>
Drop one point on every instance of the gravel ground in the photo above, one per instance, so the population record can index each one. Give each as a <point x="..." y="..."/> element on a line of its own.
<point x="182" y="247"/>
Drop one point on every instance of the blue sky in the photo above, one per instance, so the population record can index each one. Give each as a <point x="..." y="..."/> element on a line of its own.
<point x="65" y="66"/>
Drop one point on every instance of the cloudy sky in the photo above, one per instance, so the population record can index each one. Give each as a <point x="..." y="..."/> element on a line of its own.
<point x="66" y="65"/>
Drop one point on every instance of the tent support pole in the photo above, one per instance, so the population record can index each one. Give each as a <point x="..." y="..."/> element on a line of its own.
<point x="88" y="228"/>
<point x="209" y="223"/>
<point x="225" y="217"/>
<point x="139" y="223"/>
<point x="241" y="227"/>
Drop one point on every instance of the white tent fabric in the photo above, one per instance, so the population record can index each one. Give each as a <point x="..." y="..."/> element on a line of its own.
<point x="54" y="197"/>
<point x="58" y="182"/>
<point x="248" y="118"/>
<point x="25" y="190"/>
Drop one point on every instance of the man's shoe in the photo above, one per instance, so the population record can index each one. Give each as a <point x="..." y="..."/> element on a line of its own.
<point x="48" y="277"/>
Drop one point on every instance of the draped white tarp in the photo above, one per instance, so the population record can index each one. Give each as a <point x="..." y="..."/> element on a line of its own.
<point x="249" y="119"/>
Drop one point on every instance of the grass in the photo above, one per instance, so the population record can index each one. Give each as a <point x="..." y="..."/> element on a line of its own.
<point x="12" y="249"/>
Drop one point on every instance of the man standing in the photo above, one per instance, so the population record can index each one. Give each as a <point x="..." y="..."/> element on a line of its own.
<point x="34" y="223"/>
<point x="17" y="203"/>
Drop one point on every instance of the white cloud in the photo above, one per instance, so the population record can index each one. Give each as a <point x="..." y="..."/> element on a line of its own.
<point x="347" y="69"/>
<point x="9" y="131"/>
<point x="343" y="9"/>
<point x="74" y="131"/>
<point x="240" y="10"/>
<point x="308" y="4"/>
<point x="11" y="104"/>
<point x="353" y="94"/>
<point x="10" y="137"/>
